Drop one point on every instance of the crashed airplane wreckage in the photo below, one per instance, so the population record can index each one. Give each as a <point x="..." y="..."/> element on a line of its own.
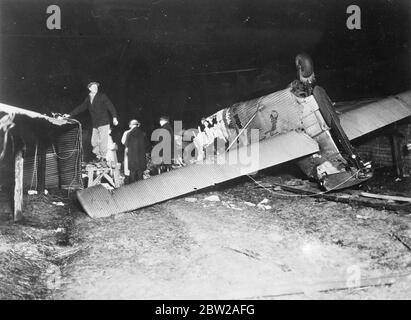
<point x="298" y="123"/>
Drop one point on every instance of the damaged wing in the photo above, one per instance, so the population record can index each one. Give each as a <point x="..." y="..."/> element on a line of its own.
<point x="100" y="202"/>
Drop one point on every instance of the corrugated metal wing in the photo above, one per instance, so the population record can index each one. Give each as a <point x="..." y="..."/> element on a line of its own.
<point x="99" y="202"/>
<point x="375" y="115"/>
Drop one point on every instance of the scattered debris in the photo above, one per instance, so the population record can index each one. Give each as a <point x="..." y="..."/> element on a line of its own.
<point x="30" y="236"/>
<point x="248" y="253"/>
<point x="190" y="199"/>
<point x="250" y="204"/>
<point x="361" y="217"/>
<point x="338" y="242"/>
<point x="231" y="206"/>
<point x="353" y="199"/>
<point x="65" y="256"/>
<point x="262" y="204"/>
<point x="59" y="203"/>
<point x="331" y="286"/>
<point x="32" y="192"/>
<point x="264" y="207"/>
<point x="213" y="198"/>
<point x="62" y="237"/>
<point x="264" y="201"/>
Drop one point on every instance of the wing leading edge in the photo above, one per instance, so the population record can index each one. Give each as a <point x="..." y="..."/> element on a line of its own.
<point x="99" y="202"/>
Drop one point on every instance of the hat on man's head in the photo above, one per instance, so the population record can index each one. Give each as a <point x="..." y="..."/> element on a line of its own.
<point x="166" y="118"/>
<point x="134" y="122"/>
<point x="91" y="83"/>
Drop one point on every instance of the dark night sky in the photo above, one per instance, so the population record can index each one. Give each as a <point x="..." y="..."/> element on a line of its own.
<point x="164" y="56"/>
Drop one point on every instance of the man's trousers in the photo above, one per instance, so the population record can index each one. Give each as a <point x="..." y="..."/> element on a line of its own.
<point x="99" y="141"/>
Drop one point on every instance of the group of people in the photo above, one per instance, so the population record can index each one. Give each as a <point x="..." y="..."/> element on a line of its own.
<point x="135" y="142"/>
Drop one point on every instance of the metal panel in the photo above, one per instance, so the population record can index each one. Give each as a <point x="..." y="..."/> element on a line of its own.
<point x="286" y="107"/>
<point x="99" y="202"/>
<point x="52" y="174"/>
<point x="52" y="171"/>
<point x="372" y="116"/>
<point x="69" y="156"/>
<point x="63" y="169"/>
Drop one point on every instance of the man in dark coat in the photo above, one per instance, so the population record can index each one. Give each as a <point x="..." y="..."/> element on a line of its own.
<point x="136" y="144"/>
<point x="99" y="106"/>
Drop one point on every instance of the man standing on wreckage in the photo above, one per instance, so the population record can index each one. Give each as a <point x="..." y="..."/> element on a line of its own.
<point x="99" y="106"/>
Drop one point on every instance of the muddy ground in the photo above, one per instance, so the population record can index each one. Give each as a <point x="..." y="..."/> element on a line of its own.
<point x="292" y="247"/>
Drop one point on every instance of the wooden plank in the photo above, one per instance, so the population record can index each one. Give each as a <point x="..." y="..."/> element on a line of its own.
<point x="97" y="180"/>
<point x="108" y="178"/>
<point x="397" y="160"/>
<point x="41" y="167"/>
<point x="117" y="175"/>
<point x="385" y="197"/>
<point x="90" y="175"/>
<point x="100" y="173"/>
<point x="282" y="290"/>
<point x="18" y="186"/>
